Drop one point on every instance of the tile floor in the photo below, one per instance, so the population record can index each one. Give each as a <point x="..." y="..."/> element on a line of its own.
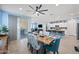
<point x="20" y="46"/>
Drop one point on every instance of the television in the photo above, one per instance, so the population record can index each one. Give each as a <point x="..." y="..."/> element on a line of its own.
<point x="36" y="29"/>
<point x="40" y="25"/>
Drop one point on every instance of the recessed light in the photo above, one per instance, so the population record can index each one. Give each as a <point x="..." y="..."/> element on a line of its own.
<point x="57" y="4"/>
<point x="20" y="8"/>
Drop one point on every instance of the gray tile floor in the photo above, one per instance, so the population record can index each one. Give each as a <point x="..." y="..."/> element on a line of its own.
<point x="20" y="46"/>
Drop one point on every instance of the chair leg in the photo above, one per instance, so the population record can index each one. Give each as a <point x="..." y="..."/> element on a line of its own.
<point x="54" y="52"/>
<point x="57" y="52"/>
<point x="45" y="51"/>
<point x="37" y="52"/>
<point x="31" y="49"/>
<point x="28" y="45"/>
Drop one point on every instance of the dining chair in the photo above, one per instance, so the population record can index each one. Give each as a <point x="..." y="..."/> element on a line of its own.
<point x="34" y="46"/>
<point x="54" y="46"/>
<point x="28" y="40"/>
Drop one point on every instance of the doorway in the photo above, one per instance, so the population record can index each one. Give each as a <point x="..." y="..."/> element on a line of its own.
<point x="77" y="31"/>
<point x="23" y="27"/>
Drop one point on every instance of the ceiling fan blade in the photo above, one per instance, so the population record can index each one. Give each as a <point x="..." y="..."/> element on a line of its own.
<point x="43" y="10"/>
<point x="37" y="8"/>
<point x="31" y="7"/>
<point x="42" y="13"/>
<point x="40" y="6"/>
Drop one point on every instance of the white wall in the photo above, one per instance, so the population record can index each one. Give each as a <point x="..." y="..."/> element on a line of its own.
<point x="42" y="19"/>
<point x="71" y="27"/>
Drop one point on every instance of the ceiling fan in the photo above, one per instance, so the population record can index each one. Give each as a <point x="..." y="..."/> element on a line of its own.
<point x="38" y="10"/>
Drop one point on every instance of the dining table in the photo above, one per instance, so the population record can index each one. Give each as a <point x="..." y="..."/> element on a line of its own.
<point x="3" y="43"/>
<point x="45" y="39"/>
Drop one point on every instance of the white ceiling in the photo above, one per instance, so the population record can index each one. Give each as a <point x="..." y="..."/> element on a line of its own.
<point x="52" y="8"/>
<point x="61" y="10"/>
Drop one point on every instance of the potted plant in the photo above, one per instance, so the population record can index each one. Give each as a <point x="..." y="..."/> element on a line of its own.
<point x="4" y="29"/>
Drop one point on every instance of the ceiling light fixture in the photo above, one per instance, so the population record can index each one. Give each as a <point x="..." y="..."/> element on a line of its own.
<point x="37" y="10"/>
<point x="20" y="9"/>
<point x="57" y="4"/>
<point x="37" y="14"/>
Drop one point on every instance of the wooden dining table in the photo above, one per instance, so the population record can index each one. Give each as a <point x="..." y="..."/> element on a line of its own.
<point x="45" y="39"/>
<point x="4" y="47"/>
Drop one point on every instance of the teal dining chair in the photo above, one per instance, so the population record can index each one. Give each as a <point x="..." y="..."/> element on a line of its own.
<point x="54" y="46"/>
